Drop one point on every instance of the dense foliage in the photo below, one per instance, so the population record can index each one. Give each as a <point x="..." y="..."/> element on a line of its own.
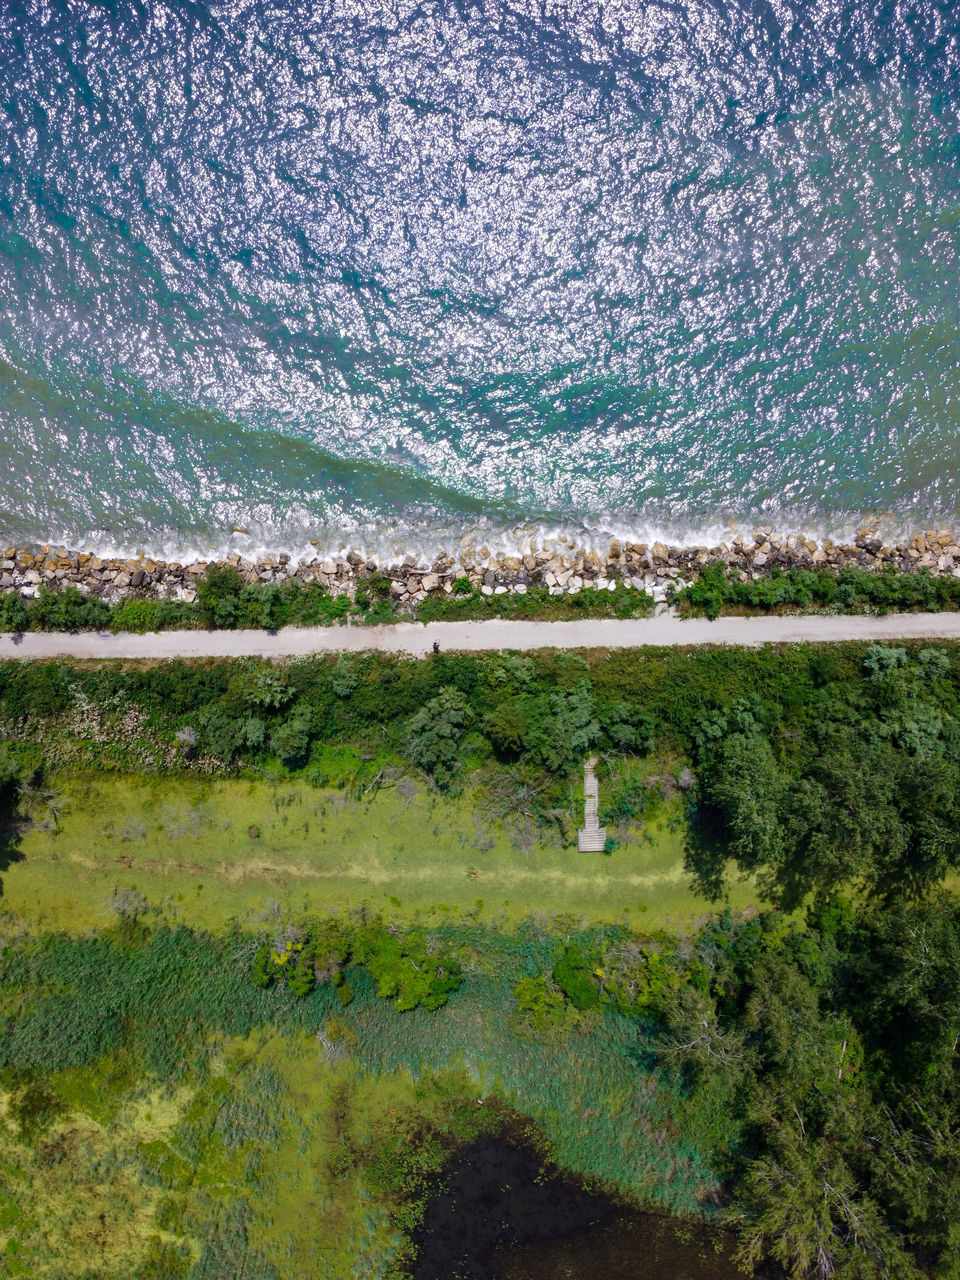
<point x="834" y="1046"/>
<point x="225" y="601"/>
<point x="827" y="1053"/>
<point x="403" y="966"/>
<point x="545" y="711"/>
<point x="815" y="767"/>
<point x="852" y="590"/>
<point x="811" y="1063"/>
<point x="862" y="785"/>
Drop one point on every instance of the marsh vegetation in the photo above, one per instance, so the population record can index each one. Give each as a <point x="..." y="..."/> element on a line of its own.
<point x="280" y="941"/>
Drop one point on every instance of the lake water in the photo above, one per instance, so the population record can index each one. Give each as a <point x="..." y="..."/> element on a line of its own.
<point x="502" y="1214"/>
<point x="384" y="272"/>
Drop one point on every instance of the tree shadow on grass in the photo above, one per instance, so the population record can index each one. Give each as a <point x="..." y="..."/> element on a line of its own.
<point x="10" y="852"/>
<point x="706" y="852"/>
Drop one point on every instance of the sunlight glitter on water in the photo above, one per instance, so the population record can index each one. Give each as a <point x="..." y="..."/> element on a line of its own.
<point x="380" y="274"/>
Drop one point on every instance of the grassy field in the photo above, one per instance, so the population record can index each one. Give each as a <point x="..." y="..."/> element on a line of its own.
<point x="126" y="1172"/>
<point x="206" y="852"/>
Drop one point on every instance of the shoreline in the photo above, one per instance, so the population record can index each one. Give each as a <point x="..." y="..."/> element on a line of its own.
<point x="557" y="564"/>
<point x="424" y="537"/>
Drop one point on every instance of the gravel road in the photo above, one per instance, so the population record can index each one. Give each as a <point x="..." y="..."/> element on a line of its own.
<point x="418" y="638"/>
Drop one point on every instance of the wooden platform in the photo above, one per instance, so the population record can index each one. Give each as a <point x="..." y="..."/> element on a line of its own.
<point x="591" y="838"/>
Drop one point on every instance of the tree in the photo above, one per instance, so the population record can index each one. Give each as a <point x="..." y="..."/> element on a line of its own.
<point x="290" y="740"/>
<point x="507" y="728"/>
<point x="566" y="727"/>
<point x="741" y="811"/>
<point x="435" y="732"/>
<point x="801" y="1204"/>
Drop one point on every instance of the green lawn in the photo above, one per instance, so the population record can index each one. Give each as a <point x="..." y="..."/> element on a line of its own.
<point x="187" y="847"/>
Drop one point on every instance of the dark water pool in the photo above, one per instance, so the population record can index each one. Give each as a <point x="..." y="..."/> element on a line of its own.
<point x="501" y="1214"/>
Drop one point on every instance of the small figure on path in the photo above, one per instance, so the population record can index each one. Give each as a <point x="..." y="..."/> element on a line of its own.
<point x="436" y="646"/>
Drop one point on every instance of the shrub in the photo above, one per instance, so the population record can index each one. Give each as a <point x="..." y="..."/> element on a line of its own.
<point x="541" y="1007"/>
<point x="14" y="613"/>
<point x="573" y="974"/>
<point x="403" y="969"/>
<point x="67" y="610"/>
<point x="218" y="595"/>
<point x="290" y="740"/>
<point x="138" y="616"/>
<point x="435" y="732"/>
<point x="263" y="972"/>
<point x="852" y="588"/>
<point x="343" y="677"/>
<point x="39" y="690"/>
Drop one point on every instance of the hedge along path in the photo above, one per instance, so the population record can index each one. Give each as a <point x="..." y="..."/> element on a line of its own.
<point x="417" y="639"/>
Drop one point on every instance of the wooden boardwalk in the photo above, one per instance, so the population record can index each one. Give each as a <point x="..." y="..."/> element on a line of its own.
<point x="591" y="838"/>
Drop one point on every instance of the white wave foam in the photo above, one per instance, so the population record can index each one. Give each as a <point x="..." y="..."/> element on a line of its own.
<point x="424" y="540"/>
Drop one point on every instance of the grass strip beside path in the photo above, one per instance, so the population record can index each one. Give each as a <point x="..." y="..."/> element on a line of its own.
<point x="187" y="848"/>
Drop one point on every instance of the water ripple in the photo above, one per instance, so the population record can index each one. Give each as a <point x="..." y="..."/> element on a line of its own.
<point x="606" y="265"/>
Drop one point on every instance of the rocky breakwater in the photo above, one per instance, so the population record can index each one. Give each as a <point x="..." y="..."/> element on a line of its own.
<point x="557" y="565"/>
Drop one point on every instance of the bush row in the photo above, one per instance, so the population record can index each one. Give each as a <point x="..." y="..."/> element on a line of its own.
<point x="224" y="601"/>
<point x="852" y="590"/>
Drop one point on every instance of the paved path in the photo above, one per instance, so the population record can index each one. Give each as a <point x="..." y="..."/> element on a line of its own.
<point x="417" y="638"/>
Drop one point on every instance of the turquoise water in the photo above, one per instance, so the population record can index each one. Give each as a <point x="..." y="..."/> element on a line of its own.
<point x="384" y="273"/>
